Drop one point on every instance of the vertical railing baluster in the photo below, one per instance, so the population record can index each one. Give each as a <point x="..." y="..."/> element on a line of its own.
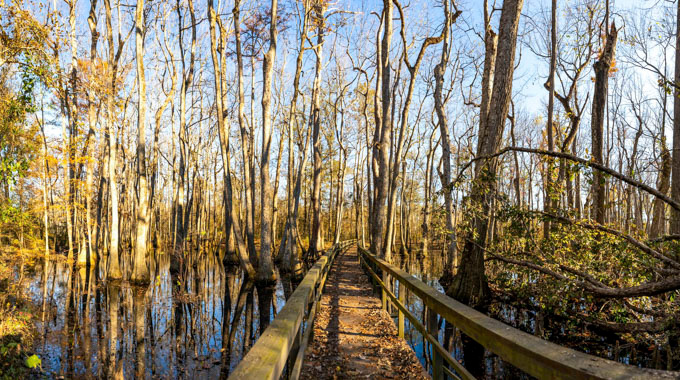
<point x="402" y="299"/>
<point x="384" y="294"/>
<point x="437" y="362"/>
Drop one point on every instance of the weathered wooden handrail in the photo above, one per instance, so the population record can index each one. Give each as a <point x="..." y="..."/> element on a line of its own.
<point x="283" y="343"/>
<point x="529" y="353"/>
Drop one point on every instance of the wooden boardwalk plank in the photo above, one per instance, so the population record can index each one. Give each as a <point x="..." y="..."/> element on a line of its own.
<point x="354" y="337"/>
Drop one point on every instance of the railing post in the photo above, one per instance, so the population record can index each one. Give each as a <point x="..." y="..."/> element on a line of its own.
<point x="384" y="294"/>
<point x="402" y="299"/>
<point x="294" y="351"/>
<point x="433" y="329"/>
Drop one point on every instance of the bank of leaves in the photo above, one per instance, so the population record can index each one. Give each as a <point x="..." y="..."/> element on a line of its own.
<point x="551" y="277"/>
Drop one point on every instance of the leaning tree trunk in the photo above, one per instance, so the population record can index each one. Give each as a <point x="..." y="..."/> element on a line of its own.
<point x="470" y="285"/>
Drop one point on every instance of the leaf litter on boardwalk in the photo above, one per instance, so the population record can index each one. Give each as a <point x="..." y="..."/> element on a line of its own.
<point x="353" y="337"/>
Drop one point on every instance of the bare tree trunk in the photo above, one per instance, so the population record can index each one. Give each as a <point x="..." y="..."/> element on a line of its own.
<point x="70" y="105"/>
<point x="663" y="184"/>
<point x="425" y="226"/>
<point x="140" y="270"/>
<point x="187" y="78"/>
<point x="470" y="284"/>
<point x="675" y="184"/>
<point x="224" y="148"/>
<point x="439" y="72"/>
<point x="382" y="138"/>
<point x="547" y="206"/>
<point x="266" y="272"/>
<point x="45" y="173"/>
<point x="87" y="258"/>
<point x="315" y="245"/>
<point x="246" y="146"/>
<point x="114" y="270"/>
<point x="287" y="248"/>
<point x="602" y="67"/>
<point x="393" y="175"/>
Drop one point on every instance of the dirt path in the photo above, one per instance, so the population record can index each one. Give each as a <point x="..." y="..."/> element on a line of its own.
<point x="354" y="338"/>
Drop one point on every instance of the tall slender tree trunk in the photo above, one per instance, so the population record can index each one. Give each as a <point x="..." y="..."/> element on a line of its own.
<point x="88" y="256"/>
<point x="224" y="147"/>
<point x="246" y="146"/>
<point x="288" y="246"/>
<point x="425" y="226"/>
<point x="443" y="124"/>
<point x="266" y="272"/>
<point x="470" y="284"/>
<point x="675" y="184"/>
<point x="602" y="67"/>
<point x="658" y="227"/>
<point x="315" y="240"/>
<point x="547" y="206"/>
<point x="140" y="270"/>
<point x="114" y="271"/>
<point x="45" y="174"/>
<point x="382" y="138"/>
<point x="180" y="208"/>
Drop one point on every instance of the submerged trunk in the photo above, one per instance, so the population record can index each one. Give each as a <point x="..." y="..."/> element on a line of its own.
<point x="229" y="223"/>
<point x="266" y="272"/>
<point x="114" y="272"/>
<point x="246" y="146"/>
<point x="140" y="271"/>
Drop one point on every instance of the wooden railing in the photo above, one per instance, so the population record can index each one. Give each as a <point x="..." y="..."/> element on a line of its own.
<point x="281" y="348"/>
<point x="529" y="353"/>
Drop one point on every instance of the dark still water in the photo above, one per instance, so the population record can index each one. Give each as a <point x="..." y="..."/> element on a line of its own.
<point x="193" y="325"/>
<point x="198" y="324"/>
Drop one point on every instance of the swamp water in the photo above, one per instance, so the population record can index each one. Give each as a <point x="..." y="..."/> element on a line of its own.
<point x="199" y="324"/>
<point x="196" y="325"/>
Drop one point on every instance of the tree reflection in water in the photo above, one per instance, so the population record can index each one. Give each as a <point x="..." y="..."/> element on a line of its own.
<point x="173" y="328"/>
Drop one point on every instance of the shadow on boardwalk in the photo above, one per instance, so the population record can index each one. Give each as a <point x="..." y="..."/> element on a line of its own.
<point x="353" y="337"/>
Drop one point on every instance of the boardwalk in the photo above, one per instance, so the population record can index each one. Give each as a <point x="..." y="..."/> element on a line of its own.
<point x="354" y="337"/>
